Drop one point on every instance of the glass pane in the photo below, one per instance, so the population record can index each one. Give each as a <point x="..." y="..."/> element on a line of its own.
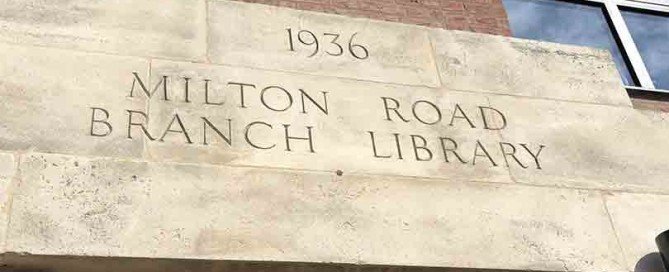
<point x="651" y="36"/>
<point x="565" y="22"/>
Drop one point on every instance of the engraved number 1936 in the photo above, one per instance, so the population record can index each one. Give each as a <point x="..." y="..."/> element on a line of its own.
<point x="307" y="38"/>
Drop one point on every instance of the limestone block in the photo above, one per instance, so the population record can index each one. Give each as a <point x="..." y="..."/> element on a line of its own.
<point x="588" y="146"/>
<point x="638" y="219"/>
<point x="502" y="65"/>
<point x="170" y="29"/>
<point x="48" y="96"/>
<point x="68" y="205"/>
<point x="339" y="114"/>
<point x="7" y="170"/>
<point x="258" y="36"/>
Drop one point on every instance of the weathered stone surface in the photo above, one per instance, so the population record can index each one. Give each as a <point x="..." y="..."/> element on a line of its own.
<point x="68" y="205"/>
<point x="502" y="65"/>
<point x="171" y="29"/>
<point x="588" y="146"/>
<point x="247" y="191"/>
<point x="340" y="138"/>
<point x="638" y="219"/>
<point x="47" y="95"/>
<point x="7" y="171"/>
<point x="253" y="35"/>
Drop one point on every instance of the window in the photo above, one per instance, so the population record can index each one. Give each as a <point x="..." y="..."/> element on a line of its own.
<point x="565" y="22"/>
<point x="635" y="32"/>
<point x="651" y="35"/>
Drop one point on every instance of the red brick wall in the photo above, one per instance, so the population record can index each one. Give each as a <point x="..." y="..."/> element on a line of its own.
<point x="484" y="16"/>
<point x="650" y="101"/>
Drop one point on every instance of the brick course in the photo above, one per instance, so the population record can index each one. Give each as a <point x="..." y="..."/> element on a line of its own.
<point x="483" y="16"/>
<point x="650" y="101"/>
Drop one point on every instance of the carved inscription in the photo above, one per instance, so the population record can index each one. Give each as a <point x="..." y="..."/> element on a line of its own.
<point x="291" y="136"/>
<point x="272" y="98"/>
<point x="424" y="148"/>
<point x="330" y="43"/>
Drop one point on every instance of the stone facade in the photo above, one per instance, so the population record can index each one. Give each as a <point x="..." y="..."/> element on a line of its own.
<point x="202" y="131"/>
<point x="481" y="16"/>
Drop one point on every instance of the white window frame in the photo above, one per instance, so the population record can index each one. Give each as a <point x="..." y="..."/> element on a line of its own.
<point x="638" y="68"/>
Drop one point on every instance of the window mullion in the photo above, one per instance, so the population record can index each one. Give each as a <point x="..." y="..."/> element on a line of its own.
<point x="638" y="67"/>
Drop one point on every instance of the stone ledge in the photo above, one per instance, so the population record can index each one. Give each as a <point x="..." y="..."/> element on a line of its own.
<point x="69" y="205"/>
<point x="39" y="263"/>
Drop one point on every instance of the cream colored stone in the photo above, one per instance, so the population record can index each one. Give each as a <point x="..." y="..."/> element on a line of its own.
<point x="591" y="146"/>
<point x="638" y="219"/>
<point x="7" y="170"/>
<point x="341" y="138"/>
<point x="175" y="197"/>
<point x="253" y="35"/>
<point x="170" y="29"/>
<point x="502" y="65"/>
<point x="47" y="95"/>
<point x="70" y="205"/>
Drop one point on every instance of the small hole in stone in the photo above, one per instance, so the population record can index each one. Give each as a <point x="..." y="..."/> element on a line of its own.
<point x="339" y="172"/>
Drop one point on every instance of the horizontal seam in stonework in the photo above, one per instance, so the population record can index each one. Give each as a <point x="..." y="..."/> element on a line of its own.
<point x="101" y="53"/>
<point x="442" y="88"/>
<point x="598" y="189"/>
<point x="321" y="75"/>
<point x="358" y="174"/>
<point x="489" y="92"/>
<point x="204" y="258"/>
<point x="413" y="177"/>
<point x="147" y="58"/>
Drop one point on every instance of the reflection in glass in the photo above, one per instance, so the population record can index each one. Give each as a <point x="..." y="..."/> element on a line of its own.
<point x="651" y="36"/>
<point x="565" y="22"/>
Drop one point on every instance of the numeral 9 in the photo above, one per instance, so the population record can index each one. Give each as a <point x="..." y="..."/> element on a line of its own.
<point x="311" y="41"/>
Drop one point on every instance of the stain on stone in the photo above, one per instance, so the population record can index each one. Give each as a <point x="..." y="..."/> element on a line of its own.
<point x="536" y="48"/>
<point x="544" y="227"/>
<point x="58" y="13"/>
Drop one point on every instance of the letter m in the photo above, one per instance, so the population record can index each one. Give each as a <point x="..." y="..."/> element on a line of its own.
<point x="138" y="81"/>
